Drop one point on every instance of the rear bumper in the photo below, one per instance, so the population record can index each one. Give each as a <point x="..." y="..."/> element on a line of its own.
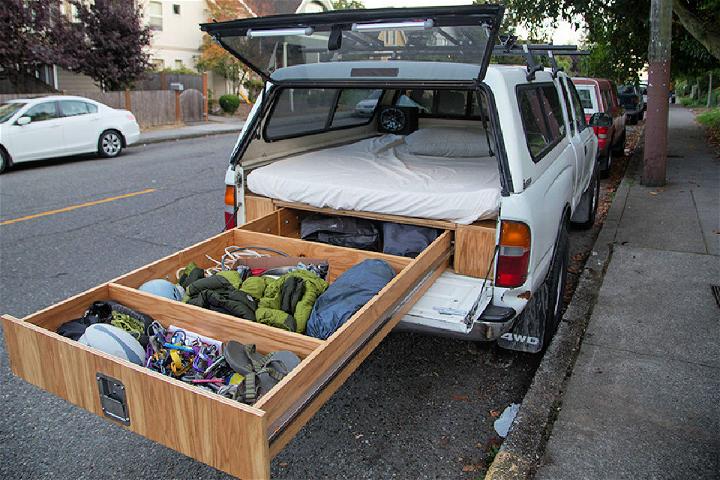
<point x="493" y="322"/>
<point x="131" y="133"/>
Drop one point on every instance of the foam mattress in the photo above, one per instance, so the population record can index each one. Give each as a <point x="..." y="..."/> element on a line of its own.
<point x="381" y="175"/>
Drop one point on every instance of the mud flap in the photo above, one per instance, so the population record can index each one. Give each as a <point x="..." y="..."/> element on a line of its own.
<point x="527" y="335"/>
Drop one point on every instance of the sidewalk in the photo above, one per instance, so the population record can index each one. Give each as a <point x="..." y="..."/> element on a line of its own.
<point x="193" y="130"/>
<point x="643" y="400"/>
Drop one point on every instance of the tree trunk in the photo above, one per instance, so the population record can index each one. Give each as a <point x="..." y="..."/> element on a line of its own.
<point x="705" y="30"/>
<point x="656" y="127"/>
<point x="709" y="97"/>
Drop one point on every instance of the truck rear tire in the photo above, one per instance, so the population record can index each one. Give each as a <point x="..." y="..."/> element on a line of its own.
<point x="584" y="216"/>
<point x="558" y="281"/>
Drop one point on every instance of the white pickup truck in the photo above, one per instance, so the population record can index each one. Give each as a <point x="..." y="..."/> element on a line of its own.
<point x="488" y="148"/>
<point x="496" y="161"/>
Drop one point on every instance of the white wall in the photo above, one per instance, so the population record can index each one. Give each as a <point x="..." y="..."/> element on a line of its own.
<point x="180" y="37"/>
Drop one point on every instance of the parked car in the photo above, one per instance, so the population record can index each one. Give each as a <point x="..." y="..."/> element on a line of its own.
<point x="366" y="107"/>
<point x="644" y="92"/>
<point x="61" y="125"/>
<point x="632" y="101"/>
<point x="598" y="96"/>
<point x="535" y="133"/>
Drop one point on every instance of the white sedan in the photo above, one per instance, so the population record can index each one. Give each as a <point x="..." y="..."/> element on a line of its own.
<point x="56" y="126"/>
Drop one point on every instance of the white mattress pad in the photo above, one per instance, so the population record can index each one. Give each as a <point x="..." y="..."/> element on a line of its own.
<point x="380" y="175"/>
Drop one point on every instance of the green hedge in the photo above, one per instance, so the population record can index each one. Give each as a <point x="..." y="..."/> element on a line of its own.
<point x="229" y="103"/>
<point x="710" y="119"/>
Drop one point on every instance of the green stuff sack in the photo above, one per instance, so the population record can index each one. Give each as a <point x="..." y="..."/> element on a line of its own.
<point x="289" y="306"/>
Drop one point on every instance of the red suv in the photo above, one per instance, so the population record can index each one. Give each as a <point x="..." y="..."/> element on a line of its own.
<point x="599" y="96"/>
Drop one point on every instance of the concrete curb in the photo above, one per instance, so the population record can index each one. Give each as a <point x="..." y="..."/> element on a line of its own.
<point x="183" y="137"/>
<point x="525" y="444"/>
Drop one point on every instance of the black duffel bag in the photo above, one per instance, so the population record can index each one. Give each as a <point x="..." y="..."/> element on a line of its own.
<point x="406" y="240"/>
<point x="341" y="231"/>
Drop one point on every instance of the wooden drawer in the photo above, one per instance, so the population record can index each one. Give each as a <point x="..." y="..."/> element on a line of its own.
<point x="233" y="437"/>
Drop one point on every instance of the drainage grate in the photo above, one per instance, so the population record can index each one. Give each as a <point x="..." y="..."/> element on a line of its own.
<point x="716" y="292"/>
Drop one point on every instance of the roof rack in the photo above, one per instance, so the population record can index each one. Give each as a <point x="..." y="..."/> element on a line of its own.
<point x="509" y="47"/>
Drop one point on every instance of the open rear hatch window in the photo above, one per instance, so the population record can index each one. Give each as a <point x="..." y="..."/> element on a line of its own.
<point x="373" y="38"/>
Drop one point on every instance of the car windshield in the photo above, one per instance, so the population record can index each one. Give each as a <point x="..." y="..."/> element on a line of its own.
<point x="8" y="109"/>
<point x="586" y="97"/>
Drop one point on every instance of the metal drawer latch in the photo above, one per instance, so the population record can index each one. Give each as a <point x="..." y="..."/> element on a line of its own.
<point x="113" y="399"/>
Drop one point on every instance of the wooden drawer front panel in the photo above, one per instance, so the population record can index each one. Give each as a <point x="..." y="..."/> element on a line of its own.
<point x="474" y="250"/>
<point x="219" y="432"/>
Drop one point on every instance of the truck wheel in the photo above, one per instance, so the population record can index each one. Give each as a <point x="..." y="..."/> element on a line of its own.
<point x="558" y="280"/>
<point x="584" y="216"/>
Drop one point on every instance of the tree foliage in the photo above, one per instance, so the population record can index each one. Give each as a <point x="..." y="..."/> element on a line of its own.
<point x="110" y="42"/>
<point x="618" y="32"/>
<point x="347" y="4"/>
<point x="27" y="36"/>
<point x="215" y="58"/>
<point x="106" y="40"/>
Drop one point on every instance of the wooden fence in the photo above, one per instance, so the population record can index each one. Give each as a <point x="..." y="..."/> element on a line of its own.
<point x="162" y="81"/>
<point x="150" y="107"/>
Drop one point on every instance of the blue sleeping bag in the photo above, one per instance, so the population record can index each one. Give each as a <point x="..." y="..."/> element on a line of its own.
<point x="353" y="289"/>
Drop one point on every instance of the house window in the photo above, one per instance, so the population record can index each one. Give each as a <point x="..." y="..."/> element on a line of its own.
<point x="179" y="64"/>
<point x="155" y="15"/>
<point x="158" y="63"/>
<point x="176" y="9"/>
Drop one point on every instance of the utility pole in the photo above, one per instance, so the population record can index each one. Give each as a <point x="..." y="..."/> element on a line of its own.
<point x="656" y="126"/>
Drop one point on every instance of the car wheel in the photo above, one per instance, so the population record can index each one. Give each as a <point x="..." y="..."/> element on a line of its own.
<point x="606" y="164"/>
<point x="110" y="144"/>
<point x="619" y="149"/>
<point x="558" y="280"/>
<point x="4" y="160"/>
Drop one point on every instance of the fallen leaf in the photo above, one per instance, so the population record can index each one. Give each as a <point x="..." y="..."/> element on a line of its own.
<point x="470" y="468"/>
<point x="283" y="464"/>
<point x="494" y="413"/>
<point x="460" y="398"/>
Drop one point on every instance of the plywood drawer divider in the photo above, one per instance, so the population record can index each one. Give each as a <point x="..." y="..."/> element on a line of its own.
<point x="294" y="393"/>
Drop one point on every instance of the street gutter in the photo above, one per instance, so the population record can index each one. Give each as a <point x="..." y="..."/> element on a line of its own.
<point x="525" y="444"/>
<point x="175" y="138"/>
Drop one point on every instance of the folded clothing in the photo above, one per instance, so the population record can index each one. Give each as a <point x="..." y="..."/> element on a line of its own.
<point x="221" y="293"/>
<point x="353" y="289"/>
<point x="284" y="302"/>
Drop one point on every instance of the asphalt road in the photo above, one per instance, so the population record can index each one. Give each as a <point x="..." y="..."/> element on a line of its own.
<point x="419" y="407"/>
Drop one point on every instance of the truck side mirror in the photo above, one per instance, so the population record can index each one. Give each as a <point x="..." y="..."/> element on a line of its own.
<point x="24" y="121"/>
<point x="601" y="119"/>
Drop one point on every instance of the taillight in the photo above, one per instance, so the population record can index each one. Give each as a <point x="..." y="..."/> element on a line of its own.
<point x="514" y="255"/>
<point x="601" y="132"/>
<point x="230" y="219"/>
